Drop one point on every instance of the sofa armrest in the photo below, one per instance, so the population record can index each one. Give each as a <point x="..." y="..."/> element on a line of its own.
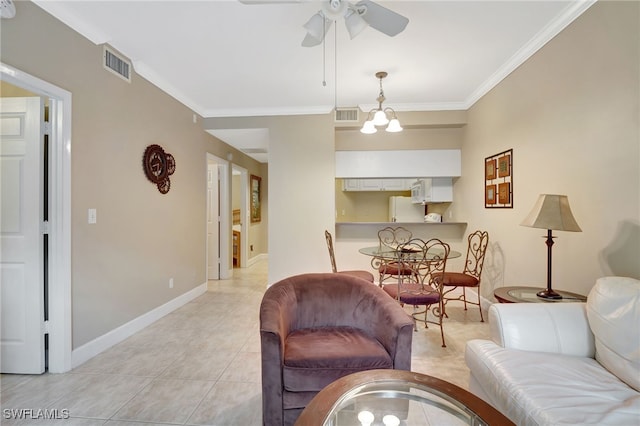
<point x="543" y="327"/>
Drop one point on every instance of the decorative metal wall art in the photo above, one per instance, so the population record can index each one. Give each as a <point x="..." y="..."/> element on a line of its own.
<point x="498" y="176"/>
<point x="158" y="166"/>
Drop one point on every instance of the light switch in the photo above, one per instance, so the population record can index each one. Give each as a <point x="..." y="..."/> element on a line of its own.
<point x="92" y="215"/>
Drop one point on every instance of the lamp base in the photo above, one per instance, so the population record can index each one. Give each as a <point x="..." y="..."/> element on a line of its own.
<point x="548" y="294"/>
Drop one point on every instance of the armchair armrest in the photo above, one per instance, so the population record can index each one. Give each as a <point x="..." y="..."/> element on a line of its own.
<point x="543" y="327"/>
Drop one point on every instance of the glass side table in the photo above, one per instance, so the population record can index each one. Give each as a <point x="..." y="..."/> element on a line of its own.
<point x="528" y="295"/>
<point x="397" y="397"/>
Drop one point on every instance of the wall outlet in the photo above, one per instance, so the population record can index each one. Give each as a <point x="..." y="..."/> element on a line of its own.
<point x="170" y="282"/>
<point x="92" y="216"/>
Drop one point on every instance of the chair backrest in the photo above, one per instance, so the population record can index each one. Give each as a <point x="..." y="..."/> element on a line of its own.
<point x="327" y="236"/>
<point x="427" y="258"/>
<point x="393" y="237"/>
<point x="476" y="250"/>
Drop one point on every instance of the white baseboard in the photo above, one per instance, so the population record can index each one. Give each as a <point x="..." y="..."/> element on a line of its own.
<point x="89" y="350"/>
<point x="256" y="258"/>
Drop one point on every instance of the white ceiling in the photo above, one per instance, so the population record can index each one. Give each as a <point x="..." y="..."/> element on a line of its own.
<point x="223" y="58"/>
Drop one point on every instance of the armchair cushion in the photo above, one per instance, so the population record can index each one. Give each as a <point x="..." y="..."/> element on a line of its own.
<point x="337" y="352"/>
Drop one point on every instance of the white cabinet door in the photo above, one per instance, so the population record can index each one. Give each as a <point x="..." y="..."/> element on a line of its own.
<point x="396" y="184"/>
<point x="441" y="190"/>
<point x="351" y="184"/>
<point x="371" y="185"/>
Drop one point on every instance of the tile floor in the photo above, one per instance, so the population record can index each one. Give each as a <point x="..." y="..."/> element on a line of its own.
<point x="200" y="365"/>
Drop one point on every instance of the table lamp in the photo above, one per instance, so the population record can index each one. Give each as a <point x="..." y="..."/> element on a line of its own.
<point x="551" y="212"/>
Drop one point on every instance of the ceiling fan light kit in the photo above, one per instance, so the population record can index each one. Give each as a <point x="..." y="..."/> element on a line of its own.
<point x="357" y="17"/>
<point x="381" y="116"/>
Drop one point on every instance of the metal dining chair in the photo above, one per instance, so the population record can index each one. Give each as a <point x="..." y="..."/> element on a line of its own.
<point x="428" y="260"/>
<point x="470" y="276"/>
<point x="389" y="239"/>
<point x="365" y="275"/>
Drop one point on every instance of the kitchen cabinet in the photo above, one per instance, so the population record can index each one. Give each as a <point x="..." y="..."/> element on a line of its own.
<point x="377" y="184"/>
<point x="401" y="164"/>
<point x="432" y="190"/>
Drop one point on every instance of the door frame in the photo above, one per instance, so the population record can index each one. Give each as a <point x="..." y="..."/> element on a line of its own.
<point x="244" y="214"/>
<point x="224" y="207"/>
<point x="59" y="304"/>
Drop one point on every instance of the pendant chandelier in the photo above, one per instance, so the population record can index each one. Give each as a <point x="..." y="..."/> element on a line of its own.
<point x="381" y="116"/>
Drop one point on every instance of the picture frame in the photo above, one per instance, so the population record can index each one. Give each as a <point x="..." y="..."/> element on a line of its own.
<point x="504" y="193"/>
<point x="490" y="194"/>
<point x="255" y="184"/>
<point x="504" y="166"/>
<point x="498" y="180"/>
<point x="490" y="169"/>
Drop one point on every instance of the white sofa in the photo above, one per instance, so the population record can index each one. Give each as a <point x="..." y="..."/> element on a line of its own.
<point x="563" y="363"/>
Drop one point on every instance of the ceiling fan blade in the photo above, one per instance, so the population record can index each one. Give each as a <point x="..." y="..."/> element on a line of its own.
<point x="383" y="19"/>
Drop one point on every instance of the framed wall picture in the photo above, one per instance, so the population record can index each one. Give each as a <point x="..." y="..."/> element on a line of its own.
<point x="498" y="180"/>
<point x="490" y="169"/>
<point x="255" y="183"/>
<point x="504" y="166"/>
<point x="490" y="194"/>
<point x="504" y="194"/>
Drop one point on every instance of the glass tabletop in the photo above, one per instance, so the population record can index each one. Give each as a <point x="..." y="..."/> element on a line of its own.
<point x="396" y="397"/>
<point x="529" y="295"/>
<point x="389" y="253"/>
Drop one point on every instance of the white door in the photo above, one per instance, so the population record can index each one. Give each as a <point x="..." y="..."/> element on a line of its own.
<point x="21" y="239"/>
<point x="213" y="223"/>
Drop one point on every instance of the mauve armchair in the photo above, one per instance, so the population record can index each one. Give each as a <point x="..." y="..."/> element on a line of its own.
<point x="316" y="328"/>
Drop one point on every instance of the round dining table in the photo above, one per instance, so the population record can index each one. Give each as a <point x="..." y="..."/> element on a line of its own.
<point x="388" y="253"/>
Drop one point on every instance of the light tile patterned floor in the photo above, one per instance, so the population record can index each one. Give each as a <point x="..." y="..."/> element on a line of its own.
<point x="200" y="365"/>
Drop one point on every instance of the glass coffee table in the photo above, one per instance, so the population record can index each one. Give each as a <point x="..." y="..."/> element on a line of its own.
<point x="397" y="398"/>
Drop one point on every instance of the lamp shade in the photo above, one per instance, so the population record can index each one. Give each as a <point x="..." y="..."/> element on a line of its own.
<point x="317" y="26"/>
<point x="355" y="23"/>
<point x="380" y="118"/>
<point x="552" y="212"/>
<point x="394" y="126"/>
<point x="368" y="128"/>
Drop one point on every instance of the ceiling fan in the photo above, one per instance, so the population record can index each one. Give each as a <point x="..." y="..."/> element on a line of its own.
<point x="357" y="17"/>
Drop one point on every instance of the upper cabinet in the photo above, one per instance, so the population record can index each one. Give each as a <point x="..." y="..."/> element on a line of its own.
<point x="377" y="184"/>
<point x="398" y="164"/>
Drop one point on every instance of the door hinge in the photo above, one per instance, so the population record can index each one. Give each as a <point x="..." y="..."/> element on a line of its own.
<point x="47" y="128"/>
<point x="45" y="227"/>
<point x="46" y="327"/>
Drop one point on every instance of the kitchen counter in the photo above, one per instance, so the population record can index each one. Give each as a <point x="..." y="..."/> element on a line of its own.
<point x="385" y="224"/>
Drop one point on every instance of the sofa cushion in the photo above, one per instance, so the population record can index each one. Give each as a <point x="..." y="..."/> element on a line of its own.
<point x="337" y="352"/>
<point x="613" y="310"/>
<point x="539" y="388"/>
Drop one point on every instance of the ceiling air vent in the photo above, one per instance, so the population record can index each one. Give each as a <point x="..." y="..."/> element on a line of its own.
<point x="345" y="115"/>
<point x="116" y="63"/>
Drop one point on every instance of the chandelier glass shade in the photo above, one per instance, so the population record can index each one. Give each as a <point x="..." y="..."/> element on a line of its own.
<point x="380" y="116"/>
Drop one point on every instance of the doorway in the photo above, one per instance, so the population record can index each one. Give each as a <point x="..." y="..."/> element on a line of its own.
<point x="240" y="206"/>
<point x="58" y="224"/>
<point x="217" y="226"/>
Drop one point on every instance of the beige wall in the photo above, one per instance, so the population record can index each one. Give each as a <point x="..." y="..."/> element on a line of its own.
<point x="120" y="266"/>
<point x="571" y="116"/>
